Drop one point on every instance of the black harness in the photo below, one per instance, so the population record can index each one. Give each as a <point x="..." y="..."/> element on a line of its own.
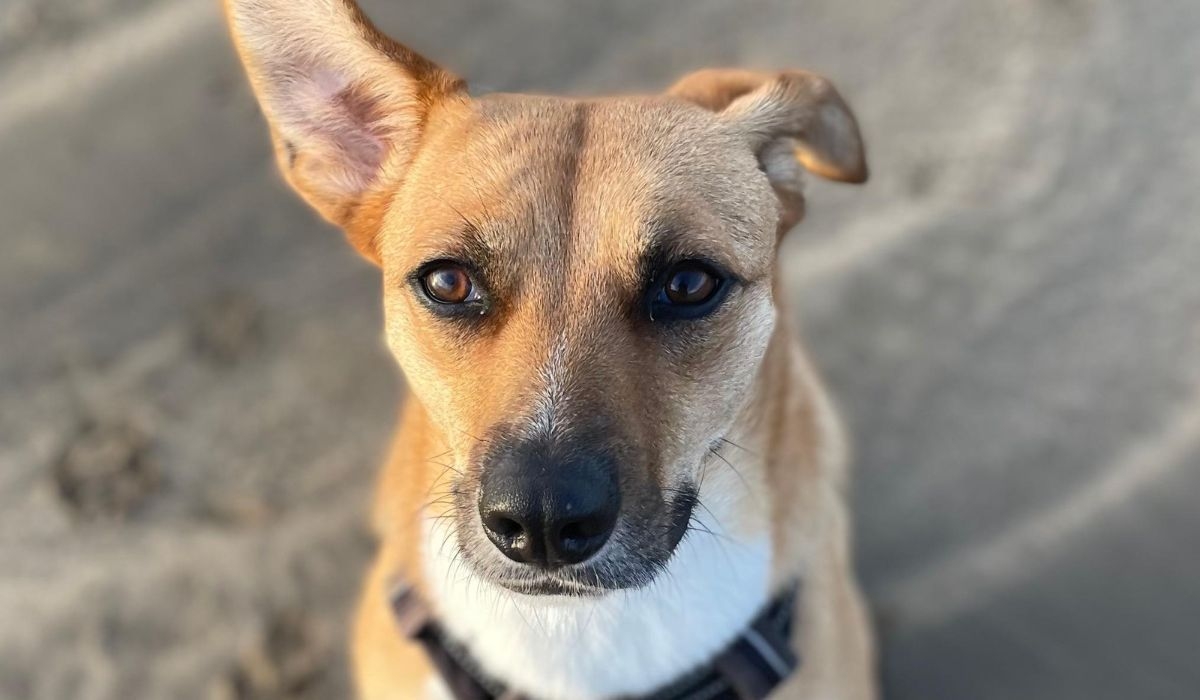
<point x="749" y="668"/>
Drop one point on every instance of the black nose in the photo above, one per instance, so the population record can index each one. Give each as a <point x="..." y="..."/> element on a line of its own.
<point x="549" y="512"/>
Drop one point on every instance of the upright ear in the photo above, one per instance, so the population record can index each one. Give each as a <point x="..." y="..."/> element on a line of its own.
<point x="790" y="119"/>
<point x="346" y="105"/>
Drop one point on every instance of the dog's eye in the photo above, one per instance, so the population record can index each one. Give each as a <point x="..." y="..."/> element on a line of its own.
<point x="689" y="284"/>
<point x="448" y="283"/>
<point x="690" y="289"/>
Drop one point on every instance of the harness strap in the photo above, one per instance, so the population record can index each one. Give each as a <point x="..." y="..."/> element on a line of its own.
<point x="750" y="668"/>
<point x="416" y="622"/>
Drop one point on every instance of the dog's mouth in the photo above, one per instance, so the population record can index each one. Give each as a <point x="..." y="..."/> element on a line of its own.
<point x="636" y="553"/>
<point x="546" y="586"/>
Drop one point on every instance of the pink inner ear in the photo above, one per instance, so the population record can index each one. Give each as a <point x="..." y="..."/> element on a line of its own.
<point x="336" y="121"/>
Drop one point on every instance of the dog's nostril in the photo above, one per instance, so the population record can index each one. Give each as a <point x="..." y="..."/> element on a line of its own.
<point x="572" y="532"/>
<point x="577" y="540"/>
<point x="513" y="532"/>
<point x="504" y="527"/>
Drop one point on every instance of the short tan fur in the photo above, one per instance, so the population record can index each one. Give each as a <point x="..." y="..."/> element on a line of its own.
<point x="561" y="207"/>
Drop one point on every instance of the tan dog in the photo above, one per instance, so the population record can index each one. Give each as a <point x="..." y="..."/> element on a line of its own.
<point x="615" y="452"/>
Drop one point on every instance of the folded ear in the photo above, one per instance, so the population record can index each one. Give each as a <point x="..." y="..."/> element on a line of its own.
<point x="346" y="104"/>
<point x="790" y="119"/>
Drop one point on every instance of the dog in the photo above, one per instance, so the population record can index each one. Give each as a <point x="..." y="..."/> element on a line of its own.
<point x="615" y="459"/>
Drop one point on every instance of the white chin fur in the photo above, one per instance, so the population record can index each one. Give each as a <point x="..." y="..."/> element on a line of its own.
<point x="623" y="643"/>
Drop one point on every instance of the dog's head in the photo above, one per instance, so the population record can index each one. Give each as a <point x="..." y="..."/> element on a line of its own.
<point x="580" y="292"/>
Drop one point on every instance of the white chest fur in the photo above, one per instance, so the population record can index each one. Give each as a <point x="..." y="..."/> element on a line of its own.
<point x="628" y="642"/>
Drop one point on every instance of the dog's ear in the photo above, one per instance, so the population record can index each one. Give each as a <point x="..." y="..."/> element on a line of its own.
<point x="346" y="105"/>
<point x="790" y="119"/>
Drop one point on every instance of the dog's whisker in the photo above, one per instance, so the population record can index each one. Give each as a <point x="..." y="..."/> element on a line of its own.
<point x="441" y="454"/>
<point x="736" y="471"/>
<point x="731" y="443"/>
<point x="471" y="226"/>
<point x="711" y="514"/>
<point x="446" y="499"/>
<point x="434" y="492"/>
<point x="445" y="465"/>
<point x="437" y="482"/>
<point x="697" y="526"/>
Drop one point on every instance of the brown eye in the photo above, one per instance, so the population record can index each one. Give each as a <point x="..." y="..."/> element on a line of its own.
<point x="689" y="285"/>
<point x="691" y="289"/>
<point x="448" y="284"/>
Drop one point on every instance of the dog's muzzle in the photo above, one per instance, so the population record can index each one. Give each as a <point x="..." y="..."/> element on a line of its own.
<point x="579" y="515"/>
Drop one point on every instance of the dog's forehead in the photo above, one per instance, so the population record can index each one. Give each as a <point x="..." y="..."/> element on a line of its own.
<point x="600" y="182"/>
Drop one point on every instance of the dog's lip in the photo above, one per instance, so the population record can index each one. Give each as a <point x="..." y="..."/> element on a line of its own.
<point x="549" y="586"/>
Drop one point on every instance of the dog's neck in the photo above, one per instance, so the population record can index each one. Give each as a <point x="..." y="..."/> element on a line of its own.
<point x="631" y="642"/>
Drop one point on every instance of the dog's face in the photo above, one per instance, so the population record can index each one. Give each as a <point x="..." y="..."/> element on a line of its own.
<point x="580" y="292"/>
